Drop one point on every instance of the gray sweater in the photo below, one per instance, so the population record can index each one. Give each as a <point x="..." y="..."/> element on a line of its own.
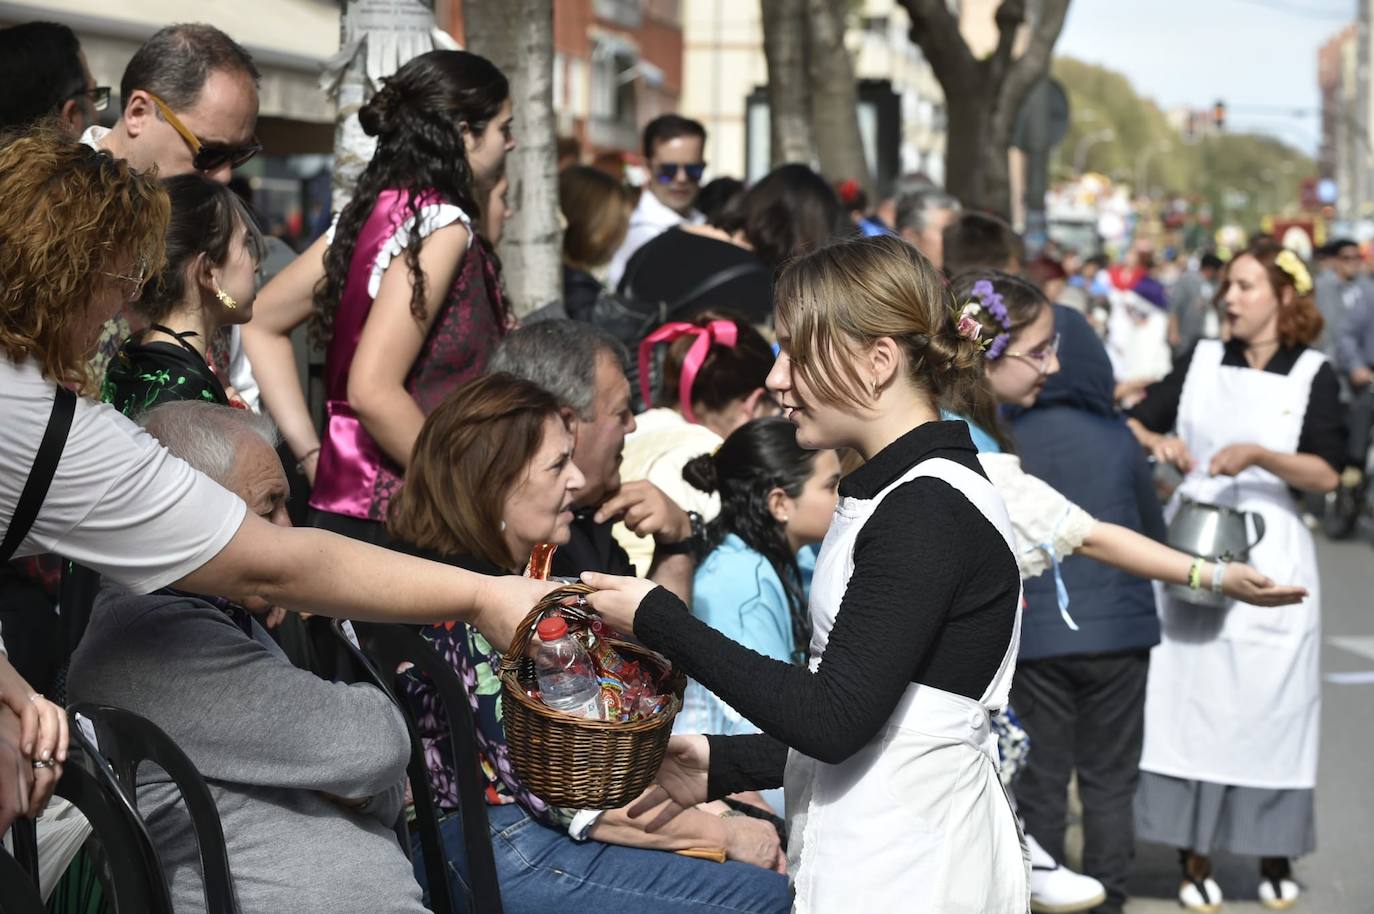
<point x="273" y="742"/>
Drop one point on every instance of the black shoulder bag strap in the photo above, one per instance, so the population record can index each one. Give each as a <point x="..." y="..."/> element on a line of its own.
<point x="40" y="476"/>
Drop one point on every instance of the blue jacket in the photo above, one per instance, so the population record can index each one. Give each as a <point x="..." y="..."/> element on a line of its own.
<point x="1074" y="439"/>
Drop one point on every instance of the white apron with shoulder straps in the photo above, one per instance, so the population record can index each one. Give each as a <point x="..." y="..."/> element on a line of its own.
<point x="1234" y="692"/>
<point x="917" y="820"/>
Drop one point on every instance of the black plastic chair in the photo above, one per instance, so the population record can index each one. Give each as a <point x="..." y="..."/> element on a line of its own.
<point x="137" y="884"/>
<point x="127" y="741"/>
<point x="17" y="892"/>
<point x="387" y="647"/>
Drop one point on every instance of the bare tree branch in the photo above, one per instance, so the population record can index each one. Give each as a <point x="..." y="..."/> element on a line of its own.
<point x="1010" y="15"/>
<point x="1032" y="65"/>
<point x="936" y="32"/>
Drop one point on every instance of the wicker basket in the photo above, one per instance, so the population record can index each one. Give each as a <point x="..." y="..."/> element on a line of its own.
<point x="571" y="761"/>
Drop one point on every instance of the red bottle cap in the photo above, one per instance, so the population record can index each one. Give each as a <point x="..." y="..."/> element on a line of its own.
<point x="551" y="629"/>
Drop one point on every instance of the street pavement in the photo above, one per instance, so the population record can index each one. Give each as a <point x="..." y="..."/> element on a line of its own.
<point x="1339" y="876"/>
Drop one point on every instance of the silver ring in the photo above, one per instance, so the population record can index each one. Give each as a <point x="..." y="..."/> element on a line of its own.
<point x="43" y="763"/>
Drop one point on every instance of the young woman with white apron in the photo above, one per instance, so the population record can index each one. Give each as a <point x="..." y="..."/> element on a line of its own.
<point x="1233" y="699"/>
<point x="894" y="803"/>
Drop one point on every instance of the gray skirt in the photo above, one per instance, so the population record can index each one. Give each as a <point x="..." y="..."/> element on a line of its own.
<point x="1204" y="817"/>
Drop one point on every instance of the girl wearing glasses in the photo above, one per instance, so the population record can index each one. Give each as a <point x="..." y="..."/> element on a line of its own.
<point x="403" y="291"/>
<point x="1014" y="322"/>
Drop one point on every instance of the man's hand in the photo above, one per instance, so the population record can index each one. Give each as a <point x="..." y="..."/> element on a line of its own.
<point x="646" y="511"/>
<point x="1360" y="377"/>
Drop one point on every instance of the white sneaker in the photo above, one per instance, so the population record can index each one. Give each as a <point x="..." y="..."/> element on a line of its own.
<point x="1057" y="890"/>
<point x="1278" y="894"/>
<point x="1204" y="896"/>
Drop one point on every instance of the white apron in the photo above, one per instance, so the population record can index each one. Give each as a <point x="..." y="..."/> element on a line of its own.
<point x="917" y="820"/>
<point x="1234" y="692"/>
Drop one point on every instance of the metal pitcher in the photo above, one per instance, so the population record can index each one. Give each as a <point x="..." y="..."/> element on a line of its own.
<point x="1215" y="533"/>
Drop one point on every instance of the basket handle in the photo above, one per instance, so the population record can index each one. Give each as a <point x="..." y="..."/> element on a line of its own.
<point x="552" y="602"/>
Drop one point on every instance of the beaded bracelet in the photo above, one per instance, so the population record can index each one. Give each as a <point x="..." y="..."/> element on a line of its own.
<point x="1195" y="574"/>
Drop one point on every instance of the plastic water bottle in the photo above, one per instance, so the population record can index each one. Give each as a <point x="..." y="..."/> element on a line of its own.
<point x="567" y="678"/>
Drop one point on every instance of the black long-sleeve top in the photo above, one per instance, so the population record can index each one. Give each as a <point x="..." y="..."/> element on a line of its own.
<point x="1323" y="425"/>
<point x="932" y="599"/>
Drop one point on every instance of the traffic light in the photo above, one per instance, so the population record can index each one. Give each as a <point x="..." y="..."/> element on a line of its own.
<point x="1219" y="115"/>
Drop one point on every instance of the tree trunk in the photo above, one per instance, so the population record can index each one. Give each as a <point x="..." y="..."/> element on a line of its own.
<point x="517" y="36"/>
<point x="834" y="95"/>
<point x="375" y="38"/>
<point x="785" y="47"/>
<point x="984" y="96"/>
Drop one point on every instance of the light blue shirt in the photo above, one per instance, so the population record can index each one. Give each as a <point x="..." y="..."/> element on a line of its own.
<point x="985" y="443"/>
<point x="737" y="592"/>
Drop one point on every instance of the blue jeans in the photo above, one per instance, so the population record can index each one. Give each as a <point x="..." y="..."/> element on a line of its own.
<point x="542" y="870"/>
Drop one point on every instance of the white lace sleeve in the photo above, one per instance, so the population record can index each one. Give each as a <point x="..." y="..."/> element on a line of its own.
<point x="432" y="218"/>
<point x="1048" y="526"/>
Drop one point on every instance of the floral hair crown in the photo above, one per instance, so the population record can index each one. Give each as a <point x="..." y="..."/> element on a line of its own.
<point x="1291" y="264"/>
<point x="970" y="325"/>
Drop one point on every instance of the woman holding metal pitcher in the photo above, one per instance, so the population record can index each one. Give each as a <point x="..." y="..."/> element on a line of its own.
<point x="1233" y="702"/>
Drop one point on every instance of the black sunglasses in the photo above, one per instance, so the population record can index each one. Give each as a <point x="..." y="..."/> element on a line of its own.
<point x="667" y="173"/>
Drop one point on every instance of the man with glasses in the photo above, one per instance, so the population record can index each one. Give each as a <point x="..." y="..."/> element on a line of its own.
<point x="674" y="148"/>
<point x="44" y="74"/>
<point x="190" y="97"/>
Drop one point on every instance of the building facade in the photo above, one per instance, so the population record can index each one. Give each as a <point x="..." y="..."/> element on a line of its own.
<point x="618" y="64"/>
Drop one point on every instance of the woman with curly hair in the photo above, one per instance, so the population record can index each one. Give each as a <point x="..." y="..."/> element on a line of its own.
<point x="1233" y="700"/>
<point x="403" y="291"/>
<point x="80" y="232"/>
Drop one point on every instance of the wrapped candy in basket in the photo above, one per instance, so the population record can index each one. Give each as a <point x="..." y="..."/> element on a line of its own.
<point x="583" y="762"/>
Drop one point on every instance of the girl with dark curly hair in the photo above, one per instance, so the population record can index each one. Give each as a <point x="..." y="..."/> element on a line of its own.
<point x="403" y="292"/>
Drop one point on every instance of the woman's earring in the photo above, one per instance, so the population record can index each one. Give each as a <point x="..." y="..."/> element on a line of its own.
<point x="503" y="526"/>
<point x="784" y="519"/>
<point x="875" y="388"/>
<point x="226" y="299"/>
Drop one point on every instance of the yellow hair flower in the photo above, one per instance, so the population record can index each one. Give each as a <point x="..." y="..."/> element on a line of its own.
<point x="1291" y="264"/>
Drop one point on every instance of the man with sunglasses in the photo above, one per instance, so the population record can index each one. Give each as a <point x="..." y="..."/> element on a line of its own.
<point x="44" y="74"/>
<point x="190" y="97"/>
<point x="674" y="147"/>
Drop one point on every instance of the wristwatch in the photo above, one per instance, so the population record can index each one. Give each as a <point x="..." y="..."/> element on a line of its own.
<point x="694" y="545"/>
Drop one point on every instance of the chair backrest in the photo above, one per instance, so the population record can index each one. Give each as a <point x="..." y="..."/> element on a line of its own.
<point x="18" y="895"/>
<point x="128" y="740"/>
<point x="136" y="879"/>
<point x="389" y="646"/>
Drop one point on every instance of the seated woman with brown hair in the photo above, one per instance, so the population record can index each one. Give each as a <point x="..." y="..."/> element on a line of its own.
<point x="492" y="476"/>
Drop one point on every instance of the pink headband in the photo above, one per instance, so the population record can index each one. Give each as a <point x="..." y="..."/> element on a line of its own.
<point x="723" y="332"/>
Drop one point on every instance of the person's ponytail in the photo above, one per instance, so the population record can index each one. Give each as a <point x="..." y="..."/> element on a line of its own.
<point x="701" y="473"/>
